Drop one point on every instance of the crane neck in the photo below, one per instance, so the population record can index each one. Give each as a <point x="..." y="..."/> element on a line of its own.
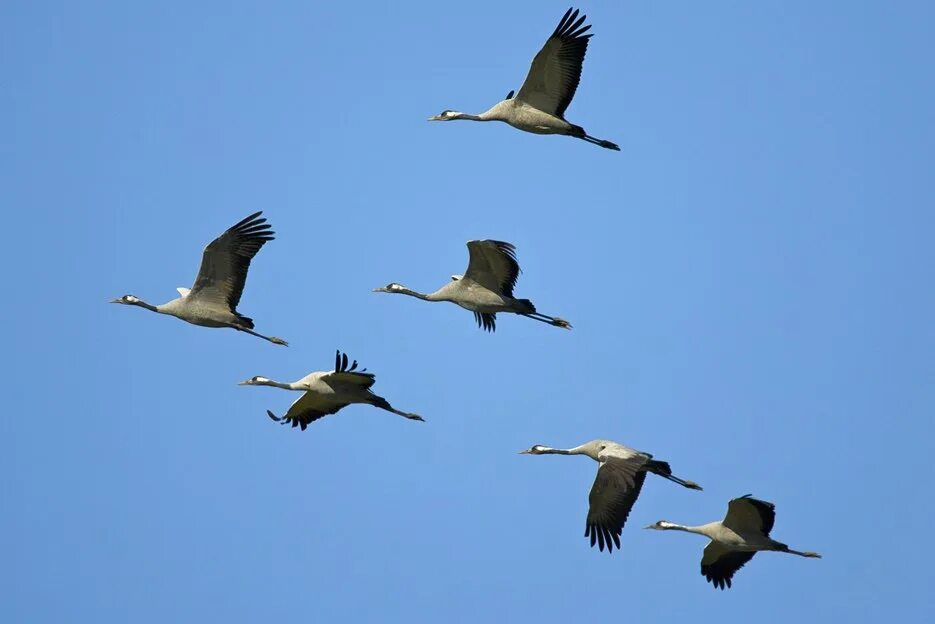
<point x="149" y="307"/>
<point x="698" y="530"/>
<point x="470" y="117"/>
<point x="554" y="451"/>
<point x="417" y="295"/>
<point x="280" y="384"/>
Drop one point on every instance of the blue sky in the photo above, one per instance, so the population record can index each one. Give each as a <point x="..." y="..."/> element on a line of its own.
<point x="750" y="282"/>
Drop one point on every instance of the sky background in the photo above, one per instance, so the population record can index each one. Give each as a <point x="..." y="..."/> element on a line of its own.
<point x="750" y="283"/>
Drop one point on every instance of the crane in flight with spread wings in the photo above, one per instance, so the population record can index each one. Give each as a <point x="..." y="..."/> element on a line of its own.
<point x="620" y="477"/>
<point x="742" y="533"/>
<point x="327" y="392"/>
<point x="553" y="78"/>
<point x="212" y="300"/>
<point x="486" y="288"/>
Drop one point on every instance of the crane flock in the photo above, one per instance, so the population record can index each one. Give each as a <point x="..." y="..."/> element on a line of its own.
<point x="486" y="289"/>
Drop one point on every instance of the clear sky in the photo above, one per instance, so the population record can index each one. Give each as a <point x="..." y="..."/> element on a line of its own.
<point x="750" y="281"/>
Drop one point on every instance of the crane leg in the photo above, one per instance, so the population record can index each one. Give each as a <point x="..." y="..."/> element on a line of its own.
<point x="600" y="142"/>
<point x="551" y="320"/>
<point x="272" y="339"/>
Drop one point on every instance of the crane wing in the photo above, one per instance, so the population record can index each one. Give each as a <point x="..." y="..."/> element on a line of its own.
<point x="486" y="321"/>
<point x="555" y="72"/>
<point x="346" y="378"/>
<point x="308" y="408"/>
<point x="226" y="259"/>
<point x="613" y="494"/>
<point x="718" y="564"/>
<point x="747" y="514"/>
<point x="493" y="265"/>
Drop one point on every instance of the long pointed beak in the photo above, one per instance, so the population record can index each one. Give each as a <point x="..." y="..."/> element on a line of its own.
<point x="650" y="526"/>
<point x="526" y="452"/>
<point x="380" y="290"/>
<point x="115" y="301"/>
<point x="435" y="118"/>
<point x="248" y="382"/>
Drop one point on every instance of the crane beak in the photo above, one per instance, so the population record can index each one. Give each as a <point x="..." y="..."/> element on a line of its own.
<point x="380" y="290"/>
<point x="526" y="452"/>
<point x="115" y="301"/>
<point x="248" y="382"/>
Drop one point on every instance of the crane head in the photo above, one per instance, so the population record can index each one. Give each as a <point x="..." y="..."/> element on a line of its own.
<point x="446" y="115"/>
<point x="127" y="300"/>
<point x="254" y="381"/>
<point x="391" y="287"/>
<point x="662" y="525"/>
<point x="537" y="449"/>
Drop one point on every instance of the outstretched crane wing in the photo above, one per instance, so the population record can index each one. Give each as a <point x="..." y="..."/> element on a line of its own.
<point x="493" y="265"/>
<point x="226" y="259"/>
<point x="615" y="490"/>
<point x="746" y="514"/>
<point x="718" y="564"/>
<point x="556" y="70"/>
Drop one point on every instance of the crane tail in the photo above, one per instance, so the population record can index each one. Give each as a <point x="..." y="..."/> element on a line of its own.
<point x="530" y="308"/>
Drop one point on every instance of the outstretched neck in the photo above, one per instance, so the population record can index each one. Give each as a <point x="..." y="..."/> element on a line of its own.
<point x="413" y="293"/>
<point x="470" y="117"/>
<point x="279" y="384"/>
<point x="554" y="451"/>
<point x="149" y="306"/>
<point x="671" y="526"/>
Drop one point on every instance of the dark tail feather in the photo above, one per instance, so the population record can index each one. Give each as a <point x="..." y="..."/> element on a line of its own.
<point x="526" y="303"/>
<point x="663" y="469"/>
<point x="246" y="321"/>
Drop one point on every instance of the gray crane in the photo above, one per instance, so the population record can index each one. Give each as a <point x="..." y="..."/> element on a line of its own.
<point x="553" y="77"/>
<point x="212" y="300"/>
<point x="327" y="392"/>
<point x="742" y="533"/>
<point x="619" y="480"/>
<point x="486" y="287"/>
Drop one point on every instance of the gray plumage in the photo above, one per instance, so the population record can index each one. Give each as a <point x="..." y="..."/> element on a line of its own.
<point x="327" y="392"/>
<point x="742" y="533"/>
<point x="550" y="85"/>
<point x="212" y="300"/>
<point x="486" y="288"/>
<point x="620" y="477"/>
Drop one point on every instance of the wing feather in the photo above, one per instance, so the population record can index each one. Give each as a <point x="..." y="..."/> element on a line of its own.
<point x="226" y="260"/>
<point x="308" y="408"/>
<point x="718" y="564"/>
<point x="615" y="490"/>
<point x="488" y="322"/>
<point x="555" y="72"/>
<point x="342" y="375"/>
<point x="747" y="514"/>
<point x="493" y="265"/>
